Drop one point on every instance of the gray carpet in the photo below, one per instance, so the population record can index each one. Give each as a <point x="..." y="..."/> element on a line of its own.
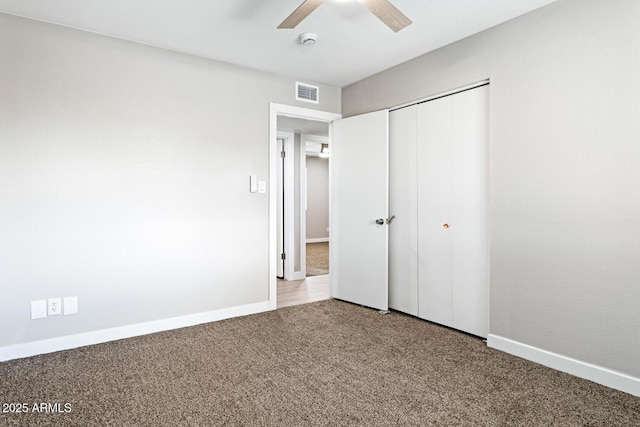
<point x="317" y="258"/>
<point x="327" y="363"/>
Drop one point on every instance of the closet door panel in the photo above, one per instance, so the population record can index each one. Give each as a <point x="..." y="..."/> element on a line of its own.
<point x="435" y="268"/>
<point x="403" y="195"/>
<point x="469" y="211"/>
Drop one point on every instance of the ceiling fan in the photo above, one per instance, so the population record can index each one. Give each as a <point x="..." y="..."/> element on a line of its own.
<point x="383" y="9"/>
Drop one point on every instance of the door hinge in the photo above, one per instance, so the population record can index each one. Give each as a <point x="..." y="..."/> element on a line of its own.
<point x="283" y="256"/>
<point x="283" y="154"/>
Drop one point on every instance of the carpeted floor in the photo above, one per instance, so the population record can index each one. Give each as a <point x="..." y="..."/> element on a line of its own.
<point x="328" y="363"/>
<point x="317" y="258"/>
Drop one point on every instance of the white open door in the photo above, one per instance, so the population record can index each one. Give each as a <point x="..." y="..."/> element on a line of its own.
<point x="359" y="209"/>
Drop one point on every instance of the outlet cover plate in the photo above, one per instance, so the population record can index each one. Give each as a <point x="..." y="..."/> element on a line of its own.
<point x="54" y="306"/>
<point x="39" y="309"/>
<point x="70" y="305"/>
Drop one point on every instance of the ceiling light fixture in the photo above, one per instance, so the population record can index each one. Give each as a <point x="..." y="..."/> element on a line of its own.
<point x="308" y="39"/>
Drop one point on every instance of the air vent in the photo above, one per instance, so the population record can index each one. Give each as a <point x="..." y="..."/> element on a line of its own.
<point x="306" y="93"/>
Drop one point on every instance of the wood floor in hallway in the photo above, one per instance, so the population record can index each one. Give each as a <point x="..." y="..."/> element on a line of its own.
<point x="311" y="289"/>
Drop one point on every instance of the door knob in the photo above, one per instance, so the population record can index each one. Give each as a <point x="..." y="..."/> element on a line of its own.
<point x="445" y="225"/>
<point x="380" y="221"/>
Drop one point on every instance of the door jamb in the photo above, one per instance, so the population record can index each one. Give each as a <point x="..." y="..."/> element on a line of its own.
<point x="276" y="110"/>
<point x="288" y="204"/>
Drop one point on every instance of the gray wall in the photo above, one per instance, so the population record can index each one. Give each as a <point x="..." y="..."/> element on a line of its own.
<point x="317" y="197"/>
<point x="124" y="180"/>
<point x="565" y="170"/>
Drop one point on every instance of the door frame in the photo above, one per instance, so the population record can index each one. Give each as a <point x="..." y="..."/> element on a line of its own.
<point x="285" y="183"/>
<point x="276" y="110"/>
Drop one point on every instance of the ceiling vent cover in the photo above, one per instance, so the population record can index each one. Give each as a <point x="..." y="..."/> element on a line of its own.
<point x="307" y="93"/>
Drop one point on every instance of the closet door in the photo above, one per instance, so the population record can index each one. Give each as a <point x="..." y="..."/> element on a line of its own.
<point x="470" y="188"/>
<point x="403" y="203"/>
<point x="435" y="265"/>
<point x="452" y="210"/>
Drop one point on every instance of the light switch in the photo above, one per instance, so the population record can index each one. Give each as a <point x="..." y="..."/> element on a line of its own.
<point x="253" y="184"/>
<point x="70" y="305"/>
<point x="262" y="187"/>
<point x="39" y="309"/>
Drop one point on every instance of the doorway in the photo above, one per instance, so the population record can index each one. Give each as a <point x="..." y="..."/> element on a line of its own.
<point x="293" y="127"/>
<point x="317" y="153"/>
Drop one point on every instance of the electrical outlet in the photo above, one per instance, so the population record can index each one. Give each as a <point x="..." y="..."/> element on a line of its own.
<point x="70" y="305"/>
<point x="54" y="306"/>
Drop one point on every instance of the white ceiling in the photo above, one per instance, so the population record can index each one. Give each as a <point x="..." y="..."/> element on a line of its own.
<point x="353" y="43"/>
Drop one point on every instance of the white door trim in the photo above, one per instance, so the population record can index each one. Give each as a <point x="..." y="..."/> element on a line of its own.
<point x="288" y="210"/>
<point x="302" y="208"/>
<point x="276" y="110"/>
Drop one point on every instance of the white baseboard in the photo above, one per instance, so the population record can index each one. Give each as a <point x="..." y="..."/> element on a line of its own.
<point x="588" y="371"/>
<point x="318" y="240"/>
<point x="51" y="345"/>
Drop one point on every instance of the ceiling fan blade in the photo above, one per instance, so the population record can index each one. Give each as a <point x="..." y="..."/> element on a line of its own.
<point x="387" y="13"/>
<point x="300" y="13"/>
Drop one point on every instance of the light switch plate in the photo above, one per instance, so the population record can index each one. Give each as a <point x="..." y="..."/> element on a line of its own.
<point x="39" y="309"/>
<point x="262" y="187"/>
<point x="253" y="184"/>
<point x="70" y="305"/>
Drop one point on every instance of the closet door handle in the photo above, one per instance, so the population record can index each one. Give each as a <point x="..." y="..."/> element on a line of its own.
<point x="380" y="221"/>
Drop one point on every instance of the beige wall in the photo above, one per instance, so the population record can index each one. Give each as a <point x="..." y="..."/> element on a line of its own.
<point x="317" y="197"/>
<point x="124" y="180"/>
<point x="565" y="170"/>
